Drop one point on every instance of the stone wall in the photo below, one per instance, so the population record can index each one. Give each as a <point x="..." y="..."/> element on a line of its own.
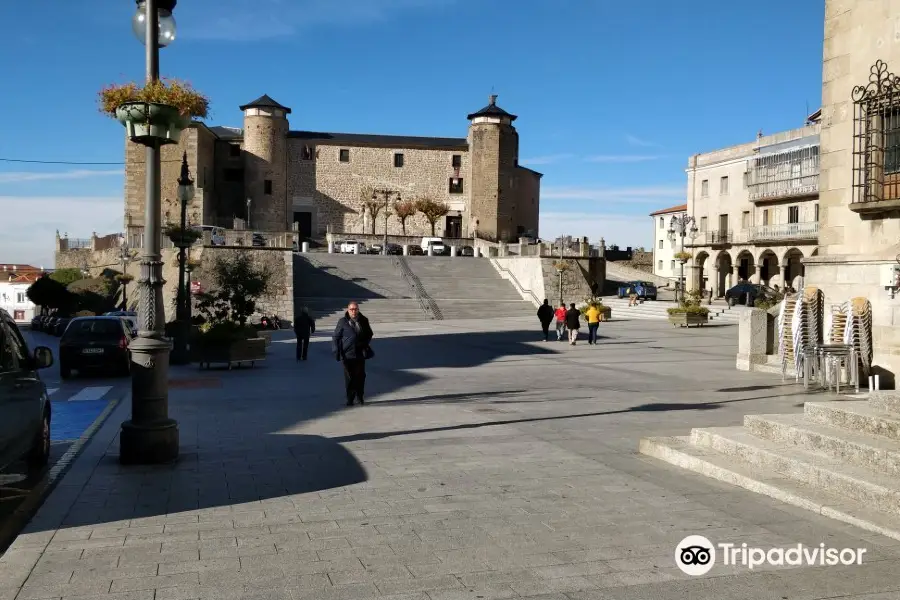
<point x="642" y="261"/>
<point x="330" y="189"/>
<point x="279" y="302"/>
<point x="265" y="160"/>
<point x="528" y="200"/>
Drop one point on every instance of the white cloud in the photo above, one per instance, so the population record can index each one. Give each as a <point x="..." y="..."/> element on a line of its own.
<point x="624" y="230"/>
<point x="26" y="176"/>
<point x="636" y="141"/>
<point x="252" y="20"/>
<point x="29" y="224"/>
<point x="611" y="195"/>
<point x="546" y="160"/>
<point x="620" y="158"/>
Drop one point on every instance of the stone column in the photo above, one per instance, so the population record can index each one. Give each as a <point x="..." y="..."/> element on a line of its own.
<point x="753" y="330"/>
<point x="696" y="277"/>
<point x="405" y="249"/>
<point x="330" y="247"/>
<point x="305" y="247"/>
<point x="452" y="251"/>
<point x="729" y="279"/>
<point x="757" y="275"/>
<point x="430" y="249"/>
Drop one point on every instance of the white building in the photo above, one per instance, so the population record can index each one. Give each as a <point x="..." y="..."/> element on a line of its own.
<point x="756" y="208"/>
<point x="665" y="246"/>
<point x="14" y="283"/>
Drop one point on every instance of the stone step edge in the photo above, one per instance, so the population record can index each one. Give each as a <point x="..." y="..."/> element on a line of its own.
<point x="881" y="449"/>
<point x="859" y="409"/>
<point x="815" y="464"/>
<point x="679" y="452"/>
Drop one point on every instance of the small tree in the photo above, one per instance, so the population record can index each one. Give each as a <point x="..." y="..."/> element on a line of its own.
<point x="433" y="210"/>
<point x="404" y="209"/>
<point x="239" y="284"/>
<point x="49" y="294"/>
<point x="67" y="276"/>
<point x="370" y="204"/>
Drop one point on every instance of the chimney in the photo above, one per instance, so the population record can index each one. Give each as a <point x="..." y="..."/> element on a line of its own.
<point x="493" y="99"/>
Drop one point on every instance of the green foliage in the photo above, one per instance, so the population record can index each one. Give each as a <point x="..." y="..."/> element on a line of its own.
<point x="179" y="94"/>
<point x="49" y="293"/>
<point x="690" y="304"/>
<point x="96" y="294"/>
<point x="182" y="236"/>
<point x="594" y="301"/>
<point x="767" y="303"/>
<point x="66" y="276"/>
<point x="225" y="332"/>
<point x="239" y="284"/>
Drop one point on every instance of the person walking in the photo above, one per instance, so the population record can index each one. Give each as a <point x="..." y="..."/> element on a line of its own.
<point x="573" y="323"/>
<point x="560" y="315"/>
<point x="545" y="316"/>
<point x="593" y="318"/>
<point x="303" y="327"/>
<point x="350" y="344"/>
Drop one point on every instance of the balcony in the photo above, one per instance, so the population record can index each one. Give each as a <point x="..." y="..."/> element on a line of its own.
<point x="784" y="232"/>
<point x="711" y="238"/>
<point x="786" y="170"/>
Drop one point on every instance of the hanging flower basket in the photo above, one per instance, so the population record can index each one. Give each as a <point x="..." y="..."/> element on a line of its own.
<point x="155" y="113"/>
<point x="182" y="238"/>
<point x="683" y="257"/>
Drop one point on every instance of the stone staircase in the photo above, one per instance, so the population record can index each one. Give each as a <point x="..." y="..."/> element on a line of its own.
<point x="401" y="289"/>
<point x="468" y="288"/>
<point x="657" y="309"/>
<point x="837" y="458"/>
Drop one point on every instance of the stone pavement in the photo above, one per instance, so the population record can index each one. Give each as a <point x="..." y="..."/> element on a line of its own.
<point x="485" y="465"/>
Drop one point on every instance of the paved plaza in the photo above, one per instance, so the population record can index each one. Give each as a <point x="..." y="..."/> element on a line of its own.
<point x="486" y="464"/>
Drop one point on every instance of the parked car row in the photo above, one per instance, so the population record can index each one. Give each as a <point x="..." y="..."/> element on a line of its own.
<point x="437" y="245"/>
<point x="52" y="324"/>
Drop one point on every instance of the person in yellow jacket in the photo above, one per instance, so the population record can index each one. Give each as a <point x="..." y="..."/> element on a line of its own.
<point x="593" y="317"/>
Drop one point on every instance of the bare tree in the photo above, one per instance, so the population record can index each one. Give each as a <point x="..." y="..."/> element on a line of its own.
<point x="432" y="209"/>
<point x="404" y="209"/>
<point x="371" y="204"/>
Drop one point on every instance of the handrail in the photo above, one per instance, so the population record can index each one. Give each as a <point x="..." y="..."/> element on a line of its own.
<point x="426" y="302"/>
<point x="519" y="287"/>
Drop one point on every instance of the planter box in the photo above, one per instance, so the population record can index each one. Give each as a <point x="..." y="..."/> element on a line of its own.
<point x="688" y="319"/>
<point x="146" y="122"/>
<point x="266" y="335"/>
<point x="606" y="313"/>
<point x="235" y="353"/>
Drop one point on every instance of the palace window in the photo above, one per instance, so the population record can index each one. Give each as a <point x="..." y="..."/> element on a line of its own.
<point x="234" y="151"/>
<point x="307" y="153"/>
<point x="723" y="185"/>
<point x="876" y="139"/>
<point x="398" y="159"/>
<point x="344" y="155"/>
<point x="456" y="162"/>
<point x="267" y="187"/>
<point x="704" y="188"/>
<point x="456" y="185"/>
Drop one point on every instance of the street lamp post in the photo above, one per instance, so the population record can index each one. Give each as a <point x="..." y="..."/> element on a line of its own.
<point x="249" y="201"/>
<point x="150" y="436"/>
<point x="185" y="195"/>
<point x="681" y="227"/>
<point x="386" y="194"/>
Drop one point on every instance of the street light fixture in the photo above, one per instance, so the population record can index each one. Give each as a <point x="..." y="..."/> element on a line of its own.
<point x="682" y="226"/>
<point x="150" y="436"/>
<point x="182" y="306"/>
<point x="165" y="19"/>
<point x="386" y="194"/>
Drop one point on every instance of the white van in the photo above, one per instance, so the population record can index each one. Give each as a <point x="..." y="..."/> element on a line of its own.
<point x="437" y="245"/>
<point x="217" y="234"/>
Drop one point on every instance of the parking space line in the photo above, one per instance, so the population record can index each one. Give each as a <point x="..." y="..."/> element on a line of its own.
<point x="90" y="393"/>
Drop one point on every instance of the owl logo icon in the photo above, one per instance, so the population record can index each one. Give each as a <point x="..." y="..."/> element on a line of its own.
<point x="695" y="555"/>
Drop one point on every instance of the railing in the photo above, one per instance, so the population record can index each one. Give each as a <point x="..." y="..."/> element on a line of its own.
<point x="78" y="243"/>
<point x="426" y="302"/>
<point x="785" y="188"/>
<point x="233" y="238"/>
<point x="515" y="281"/>
<point x="711" y="238"/>
<point x="785" y="231"/>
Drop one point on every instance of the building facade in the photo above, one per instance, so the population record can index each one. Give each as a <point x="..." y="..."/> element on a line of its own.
<point x="665" y="246"/>
<point x="756" y="210"/>
<point x="275" y="179"/>
<point x="14" y="283"/>
<point x="859" y="241"/>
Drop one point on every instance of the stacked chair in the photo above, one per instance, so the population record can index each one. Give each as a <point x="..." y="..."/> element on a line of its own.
<point x="799" y="331"/>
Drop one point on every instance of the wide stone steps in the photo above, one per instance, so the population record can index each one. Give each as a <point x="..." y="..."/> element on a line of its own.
<point x="658" y="309"/>
<point x="840" y="458"/>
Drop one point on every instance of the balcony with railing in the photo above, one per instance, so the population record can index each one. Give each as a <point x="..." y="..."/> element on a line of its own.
<point x="785" y="170"/>
<point x="784" y="232"/>
<point x="710" y="238"/>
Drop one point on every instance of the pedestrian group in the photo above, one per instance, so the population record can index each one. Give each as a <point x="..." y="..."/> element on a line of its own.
<point x="568" y="320"/>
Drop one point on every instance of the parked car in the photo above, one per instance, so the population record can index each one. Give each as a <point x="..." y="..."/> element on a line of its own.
<point x="352" y="247"/>
<point x="130" y="317"/>
<point x="24" y="403"/>
<point x="394" y="250"/>
<point x="95" y="343"/>
<point x="60" y="325"/>
<point x="415" y="250"/>
<point x="466" y="251"/>
<point x="436" y="244"/>
<point x="374" y="249"/>
<point x="739" y="293"/>
<point x="644" y="289"/>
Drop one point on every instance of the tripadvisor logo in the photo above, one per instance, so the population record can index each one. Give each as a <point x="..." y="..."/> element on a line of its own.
<point x="695" y="555"/>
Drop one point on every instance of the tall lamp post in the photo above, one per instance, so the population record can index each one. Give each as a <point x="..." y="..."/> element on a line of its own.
<point x="185" y="195"/>
<point x="249" y="202"/>
<point x="386" y="194"/>
<point x="150" y="436"/>
<point x="681" y="227"/>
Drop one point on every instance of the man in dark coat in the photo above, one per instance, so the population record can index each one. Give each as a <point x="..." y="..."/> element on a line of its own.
<point x="573" y="322"/>
<point x="350" y="344"/>
<point x="545" y="316"/>
<point x="303" y="327"/>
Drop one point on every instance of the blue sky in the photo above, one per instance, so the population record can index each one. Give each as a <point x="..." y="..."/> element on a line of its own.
<point x="612" y="97"/>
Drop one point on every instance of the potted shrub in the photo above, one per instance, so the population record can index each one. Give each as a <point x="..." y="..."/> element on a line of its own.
<point x="596" y="302"/>
<point x="182" y="237"/>
<point x="223" y="335"/>
<point x="683" y="256"/>
<point x="156" y="112"/>
<point x="689" y="312"/>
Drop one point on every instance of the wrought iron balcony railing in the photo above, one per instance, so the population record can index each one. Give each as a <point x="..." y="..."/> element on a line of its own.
<point x="711" y="238"/>
<point x="807" y="185"/>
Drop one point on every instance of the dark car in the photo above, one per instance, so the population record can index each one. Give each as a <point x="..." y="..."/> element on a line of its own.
<point x="747" y="293"/>
<point x="643" y="289"/>
<point x="60" y="326"/>
<point x="415" y="250"/>
<point x="24" y="404"/>
<point x="95" y="344"/>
